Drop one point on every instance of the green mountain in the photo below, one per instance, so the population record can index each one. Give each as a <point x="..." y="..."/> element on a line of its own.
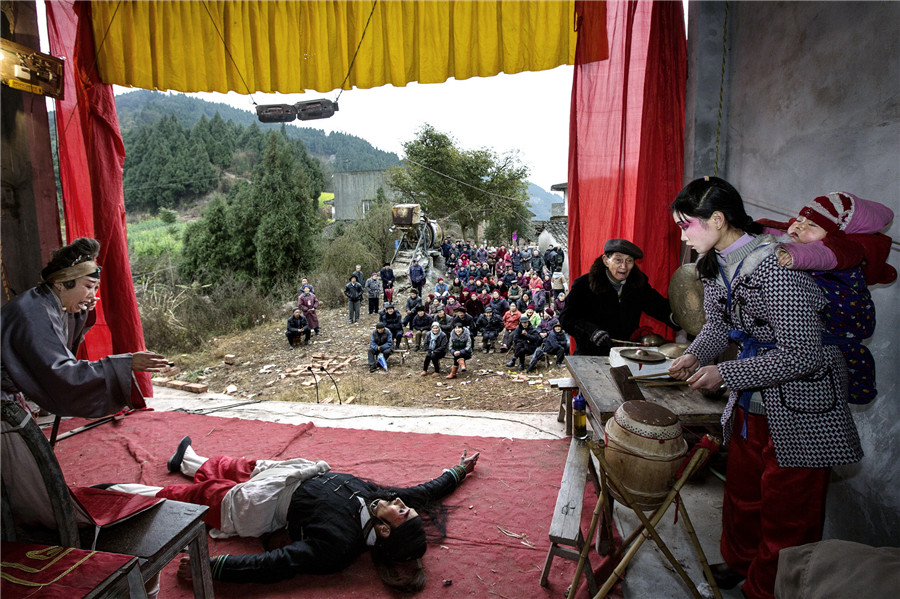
<point x="342" y="151"/>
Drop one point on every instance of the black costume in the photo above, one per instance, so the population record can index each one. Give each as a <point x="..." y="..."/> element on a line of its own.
<point x="324" y="522"/>
<point x="594" y="305"/>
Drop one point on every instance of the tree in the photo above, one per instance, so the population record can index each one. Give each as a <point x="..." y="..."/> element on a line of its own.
<point x="267" y="228"/>
<point x="467" y="186"/>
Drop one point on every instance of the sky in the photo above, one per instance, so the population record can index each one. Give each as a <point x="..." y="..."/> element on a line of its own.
<point x="525" y="112"/>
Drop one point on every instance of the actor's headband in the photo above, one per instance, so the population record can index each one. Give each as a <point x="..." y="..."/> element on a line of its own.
<point x="70" y="273"/>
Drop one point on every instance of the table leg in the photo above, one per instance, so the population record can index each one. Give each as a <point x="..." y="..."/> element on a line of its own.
<point x="198" y="550"/>
<point x="567" y="395"/>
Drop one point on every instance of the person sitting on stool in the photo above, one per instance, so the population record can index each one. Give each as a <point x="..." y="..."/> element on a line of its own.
<point x="297" y="327"/>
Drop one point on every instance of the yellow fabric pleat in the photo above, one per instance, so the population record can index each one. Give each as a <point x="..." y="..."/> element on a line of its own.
<point x="290" y="46"/>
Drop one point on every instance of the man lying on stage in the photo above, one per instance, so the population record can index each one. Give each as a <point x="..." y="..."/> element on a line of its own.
<point x="330" y="518"/>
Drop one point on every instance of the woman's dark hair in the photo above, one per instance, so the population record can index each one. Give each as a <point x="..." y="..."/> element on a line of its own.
<point x="701" y="198"/>
<point x="81" y="250"/>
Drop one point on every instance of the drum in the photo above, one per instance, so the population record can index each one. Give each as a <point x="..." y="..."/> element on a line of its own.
<point x="644" y="449"/>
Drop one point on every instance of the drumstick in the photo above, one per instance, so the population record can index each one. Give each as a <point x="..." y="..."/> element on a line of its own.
<point x="648" y="376"/>
<point x="629" y="342"/>
<point x="666" y="384"/>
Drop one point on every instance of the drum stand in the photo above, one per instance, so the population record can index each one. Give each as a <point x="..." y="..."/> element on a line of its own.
<point x="647" y="527"/>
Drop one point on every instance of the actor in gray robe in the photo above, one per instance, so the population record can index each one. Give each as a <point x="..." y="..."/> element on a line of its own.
<point x="41" y="330"/>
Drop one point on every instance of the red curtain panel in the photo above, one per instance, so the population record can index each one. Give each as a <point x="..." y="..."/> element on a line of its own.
<point x="626" y="135"/>
<point x="91" y="156"/>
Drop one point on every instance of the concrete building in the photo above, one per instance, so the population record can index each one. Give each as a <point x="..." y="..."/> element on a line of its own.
<point x="353" y="192"/>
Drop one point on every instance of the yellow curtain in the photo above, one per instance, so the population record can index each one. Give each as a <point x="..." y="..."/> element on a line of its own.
<point x="289" y="46"/>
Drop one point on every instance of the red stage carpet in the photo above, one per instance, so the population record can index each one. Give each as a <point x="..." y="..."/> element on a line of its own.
<point x="513" y="488"/>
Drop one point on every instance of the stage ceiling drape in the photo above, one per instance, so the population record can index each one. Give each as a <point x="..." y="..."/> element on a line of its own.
<point x="91" y="156"/>
<point x="626" y="137"/>
<point x="291" y="46"/>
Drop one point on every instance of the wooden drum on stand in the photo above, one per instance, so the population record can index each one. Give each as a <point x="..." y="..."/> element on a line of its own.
<point x="644" y="448"/>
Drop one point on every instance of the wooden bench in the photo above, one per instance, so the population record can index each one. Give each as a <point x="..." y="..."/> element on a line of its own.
<point x="568" y="387"/>
<point x="566" y="538"/>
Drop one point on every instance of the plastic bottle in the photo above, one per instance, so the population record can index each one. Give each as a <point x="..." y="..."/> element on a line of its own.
<point x="579" y="417"/>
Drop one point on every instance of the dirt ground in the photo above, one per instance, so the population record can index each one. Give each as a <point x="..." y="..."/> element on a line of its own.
<point x="265" y="368"/>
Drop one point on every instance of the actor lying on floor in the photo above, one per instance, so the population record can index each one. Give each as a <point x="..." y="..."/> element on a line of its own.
<point x="330" y="518"/>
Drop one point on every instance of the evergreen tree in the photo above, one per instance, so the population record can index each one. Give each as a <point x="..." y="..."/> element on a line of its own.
<point x="267" y="228"/>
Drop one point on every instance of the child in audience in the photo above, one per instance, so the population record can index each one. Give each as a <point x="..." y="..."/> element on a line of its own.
<point x="836" y="237"/>
<point x="510" y="323"/>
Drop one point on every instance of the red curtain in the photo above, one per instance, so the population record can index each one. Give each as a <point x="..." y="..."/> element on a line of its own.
<point x="91" y="156"/>
<point x="626" y="138"/>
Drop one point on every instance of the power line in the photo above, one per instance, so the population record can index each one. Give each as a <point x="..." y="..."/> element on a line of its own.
<point x="490" y="193"/>
<point x="358" y="46"/>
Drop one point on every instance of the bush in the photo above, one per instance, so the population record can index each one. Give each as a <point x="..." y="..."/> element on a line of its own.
<point x="168" y="216"/>
<point x="180" y="318"/>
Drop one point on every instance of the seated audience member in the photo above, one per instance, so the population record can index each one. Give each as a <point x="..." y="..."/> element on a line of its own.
<point x="373" y="289"/>
<point x="456" y="286"/>
<point x="461" y="317"/>
<point x="391" y="318"/>
<point x="514" y="293"/>
<point x="554" y="343"/>
<point x="560" y="302"/>
<point x="460" y="349"/>
<point x="525" y="341"/>
<point x="489" y="324"/>
<point x="441" y="289"/>
<point x="539" y="299"/>
<point x="420" y="325"/>
<point x="381" y="343"/>
<point x="327" y="519"/>
<point x="510" y="324"/>
<point x="450" y="305"/>
<point x="474" y="305"/>
<point x="297" y="327"/>
<point x="308" y="302"/>
<point x="532" y="315"/>
<point x="435" y="345"/>
<point x="444" y="321"/>
<point x="435" y="306"/>
<point x="412" y="304"/>
<point x="608" y="301"/>
<point x="548" y="319"/>
<point x="498" y="303"/>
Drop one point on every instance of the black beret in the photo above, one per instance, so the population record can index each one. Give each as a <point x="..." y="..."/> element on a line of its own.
<point x="623" y="246"/>
<point x="380" y="325"/>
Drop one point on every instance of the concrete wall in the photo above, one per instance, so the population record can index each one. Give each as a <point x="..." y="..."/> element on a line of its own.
<point x="811" y="97"/>
<point x="352" y="189"/>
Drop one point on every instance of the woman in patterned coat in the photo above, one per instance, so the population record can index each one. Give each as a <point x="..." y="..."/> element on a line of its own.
<point x="787" y="416"/>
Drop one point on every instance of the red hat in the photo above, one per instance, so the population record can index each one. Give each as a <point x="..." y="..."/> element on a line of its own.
<point x="531" y="306"/>
<point x="832" y="212"/>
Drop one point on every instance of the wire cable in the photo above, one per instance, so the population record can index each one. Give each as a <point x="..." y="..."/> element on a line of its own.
<point x="227" y="51"/>
<point x="721" y="86"/>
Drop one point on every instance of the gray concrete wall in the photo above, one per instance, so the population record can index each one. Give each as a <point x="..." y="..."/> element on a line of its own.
<point x="351" y="189"/>
<point x="810" y="106"/>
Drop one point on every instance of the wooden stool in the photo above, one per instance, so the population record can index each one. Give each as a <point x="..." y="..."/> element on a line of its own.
<point x="566" y="538"/>
<point x="647" y="527"/>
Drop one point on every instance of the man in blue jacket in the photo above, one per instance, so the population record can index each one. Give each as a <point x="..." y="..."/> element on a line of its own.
<point x="417" y="276"/>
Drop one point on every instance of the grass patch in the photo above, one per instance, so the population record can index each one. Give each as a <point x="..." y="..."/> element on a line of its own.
<point x="154" y="238"/>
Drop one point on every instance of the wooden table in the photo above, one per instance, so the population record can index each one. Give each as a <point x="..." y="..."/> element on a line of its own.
<point x="603" y="396"/>
<point x="159" y="536"/>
